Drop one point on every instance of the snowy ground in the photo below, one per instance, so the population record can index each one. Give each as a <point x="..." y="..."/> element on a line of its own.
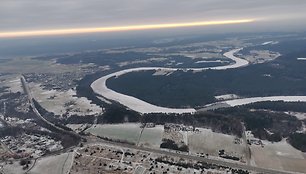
<point x="13" y="82"/>
<point x="59" y="164"/>
<point x="226" y="97"/>
<point x="261" y="56"/>
<point x="99" y="86"/>
<point x="14" y="168"/>
<point x="281" y="156"/>
<point x="207" y="141"/>
<point x="129" y="131"/>
<point x="63" y="102"/>
<point x="150" y="137"/>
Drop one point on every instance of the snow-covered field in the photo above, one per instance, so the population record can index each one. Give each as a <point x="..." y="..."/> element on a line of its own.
<point x="150" y="137"/>
<point x="99" y="86"/>
<point x="60" y="102"/>
<point x="129" y="131"/>
<point x="280" y="155"/>
<point x="207" y="141"/>
<point x="13" y="82"/>
<point x="14" y="168"/>
<point x="53" y="164"/>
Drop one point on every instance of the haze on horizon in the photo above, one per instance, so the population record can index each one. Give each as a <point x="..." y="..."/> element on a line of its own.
<point x="32" y="15"/>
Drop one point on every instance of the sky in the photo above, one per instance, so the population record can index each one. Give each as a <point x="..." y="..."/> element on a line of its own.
<point x="24" y="15"/>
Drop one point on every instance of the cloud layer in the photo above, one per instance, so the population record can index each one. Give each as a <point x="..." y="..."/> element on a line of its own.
<point x="16" y="15"/>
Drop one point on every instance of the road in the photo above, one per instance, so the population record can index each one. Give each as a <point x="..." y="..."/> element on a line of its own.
<point x="247" y="147"/>
<point x="30" y="98"/>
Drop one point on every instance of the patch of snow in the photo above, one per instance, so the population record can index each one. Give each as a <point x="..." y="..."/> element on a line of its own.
<point x="162" y="72"/>
<point x="270" y="43"/>
<point x="301" y="58"/>
<point x="298" y="115"/>
<point x="60" y="102"/>
<point x="227" y="97"/>
<point x="211" y="61"/>
<point x="14" y="84"/>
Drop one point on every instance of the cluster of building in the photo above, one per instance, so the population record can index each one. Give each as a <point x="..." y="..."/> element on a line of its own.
<point x="60" y="81"/>
<point x="13" y="121"/>
<point x="25" y="145"/>
<point x="179" y="127"/>
<point x="148" y="125"/>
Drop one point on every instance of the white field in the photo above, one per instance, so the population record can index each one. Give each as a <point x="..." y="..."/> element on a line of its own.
<point x="128" y="131"/>
<point x="99" y="87"/>
<point x="79" y="106"/>
<point x="13" y="82"/>
<point x="14" y="168"/>
<point x="151" y="137"/>
<point x="301" y="58"/>
<point x="59" y="164"/>
<point x="211" y="142"/>
<point x="281" y="156"/>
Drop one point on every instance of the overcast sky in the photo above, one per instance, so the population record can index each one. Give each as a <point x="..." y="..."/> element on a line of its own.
<point x="17" y="15"/>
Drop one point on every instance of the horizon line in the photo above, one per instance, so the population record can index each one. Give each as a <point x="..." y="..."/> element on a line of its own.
<point x="54" y="32"/>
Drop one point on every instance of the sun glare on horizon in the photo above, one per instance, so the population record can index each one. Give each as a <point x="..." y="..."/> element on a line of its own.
<point x="52" y="32"/>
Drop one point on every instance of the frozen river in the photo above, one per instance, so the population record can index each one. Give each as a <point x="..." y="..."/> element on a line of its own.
<point x="100" y="88"/>
<point x="244" y="101"/>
